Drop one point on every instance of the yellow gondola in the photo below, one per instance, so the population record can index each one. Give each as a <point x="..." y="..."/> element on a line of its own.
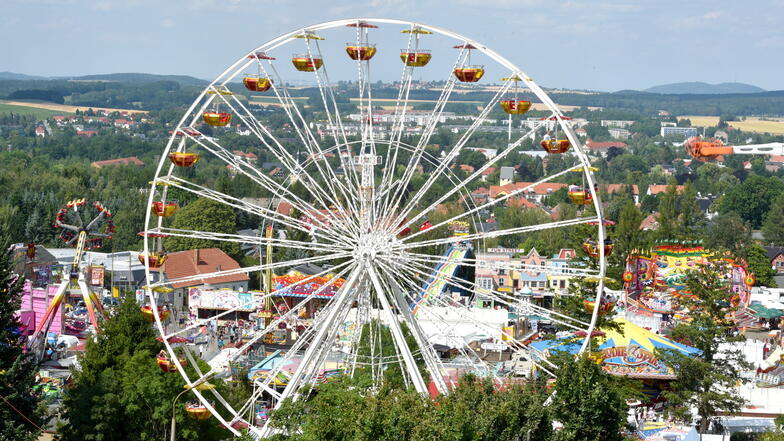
<point x="591" y="249"/>
<point x="556" y="146"/>
<point x="470" y="74"/>
<point x="164" y="209"/>
<point x="154" y="260"/>
<point x="362" y="53"/>
<point x="217" y="119"/>
<point x="304" y="63"/>
<point x="417" y="58"/>
<point x="257" y="83"/>
<point x="515" y="107"/>
<point x="184" y="159"/>
<point x="197" y="411"/>
<point x="150" y="316"/>
<point x="605" y="306"/>
<point x="166" y="364"/>
<point x="580" y="196"/>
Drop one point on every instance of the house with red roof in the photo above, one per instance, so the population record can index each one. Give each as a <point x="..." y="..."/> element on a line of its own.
<point x="601" y="148"/>
<point x="40" y="131"/>
<point x="133" y="160"/>
<point x="197" y="268"/>
<point x="650" y="223"/>
<point x="86" y="133"/>
<point x="535" y="192"/>
<point x="656" y="189"/>
<point x="250" y="156"/>
<point x="624" y="188"/>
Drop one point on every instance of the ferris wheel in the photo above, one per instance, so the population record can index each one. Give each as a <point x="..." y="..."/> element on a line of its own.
<point x="362" y="195"/>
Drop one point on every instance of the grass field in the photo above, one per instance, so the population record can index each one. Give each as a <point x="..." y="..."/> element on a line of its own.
<point x="59" y="109"/>
<point x="26" y="110"/>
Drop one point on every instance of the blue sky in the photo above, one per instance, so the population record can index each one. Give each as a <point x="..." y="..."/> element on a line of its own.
<point x="599" y="45"/>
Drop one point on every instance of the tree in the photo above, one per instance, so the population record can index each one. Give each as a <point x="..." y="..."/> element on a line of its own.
<point x="120" y="385"/>
<point x="691" y="219"/>
<point x="626" y="237"/>
<point x="668" y="213"/>
<point x="759" y="265"/>
<point x="752" y="198"/>
<point x="773" y="227"/>
<point x="204" y="215"/>
<point x="728" y="232"/>
<point x="588" y="402"/>
<point x="17" y="368"/>
<point x="707" y="381"/>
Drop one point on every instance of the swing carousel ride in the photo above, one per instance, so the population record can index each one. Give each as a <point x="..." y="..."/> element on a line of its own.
<point x="355" y="215"/>
<point x="84" y="227"/>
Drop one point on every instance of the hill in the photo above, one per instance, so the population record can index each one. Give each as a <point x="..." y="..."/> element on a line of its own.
<point x="17" y="76"/>
<point x="141" y="78"/>
<point x="700" y="88"/>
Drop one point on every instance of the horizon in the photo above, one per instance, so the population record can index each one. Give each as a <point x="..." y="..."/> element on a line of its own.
<point x="641" y="45"/>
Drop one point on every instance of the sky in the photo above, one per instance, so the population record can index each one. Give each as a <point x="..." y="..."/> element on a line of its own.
<point x="606" y="45"/>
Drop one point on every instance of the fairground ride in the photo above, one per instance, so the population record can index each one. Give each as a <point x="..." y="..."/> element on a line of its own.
<point x="350" y="195"/>
<point x="707" y="150"/>
<point x="84" y="227"/>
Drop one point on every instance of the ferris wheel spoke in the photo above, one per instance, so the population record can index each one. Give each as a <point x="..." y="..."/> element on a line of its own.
<point x="280" y="153"/>
<point x="327" y="92"/>
<point x="336" y="186"/>
<point x="559" y="271"/>
<point x="312" y="146"/>
<point x="250" y="240"/>
<point x="498" y="233"/>
<point x="265" y="182"/>
<point x="390" y="204"/>
<point x="432" y="360"/>
<point x="401" y="346"/>
<point x="492" y="203"/>
<point x="462" y="184"/>
<point x="512" y="342"/>
<point x="329" y="235"/>
<point x="451" y="156"/>
<point x="444" y="327"/>
<point x="470" y="286"/>
<point x="324" y="334"/>
<point x="290" y="314"/>
<point x="248" y="269"/>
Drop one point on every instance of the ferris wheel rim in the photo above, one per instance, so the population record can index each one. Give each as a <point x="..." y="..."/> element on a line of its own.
<point x="243" y="63"/>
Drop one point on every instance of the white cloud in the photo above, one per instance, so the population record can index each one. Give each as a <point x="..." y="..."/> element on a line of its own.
<point x="168" y="23"/>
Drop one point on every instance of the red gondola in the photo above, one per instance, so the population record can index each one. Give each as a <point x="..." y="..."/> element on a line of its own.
<point x="556" y="146"/>
<point x="590" y="248"/>
<point x="164" y="209"/>
<point x="257" y="83"/>
<point x="217" y="119"/>
<point x="363" y="53"/>
<point x="305" y="63"/>
<point x="515" y="107"/>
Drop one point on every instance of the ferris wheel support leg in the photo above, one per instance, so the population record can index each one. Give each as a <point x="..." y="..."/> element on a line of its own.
<point x="88" y="301"/>
<point x="345" y="295"/>
<point x="397" y="333"/>
<point x="428" y="353"/>
<point x="51" y="310"/>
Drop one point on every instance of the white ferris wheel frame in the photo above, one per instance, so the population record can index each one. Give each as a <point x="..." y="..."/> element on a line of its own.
<point x="418" y="264"/>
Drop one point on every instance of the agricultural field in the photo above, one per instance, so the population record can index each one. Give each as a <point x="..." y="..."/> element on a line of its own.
<point x="28" y="110"/>
<point x="758" y="125"/>
<point x="59" y="109"/>
<point x="701" y="121"/>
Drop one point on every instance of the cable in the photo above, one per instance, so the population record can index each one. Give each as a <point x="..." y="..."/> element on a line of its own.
<point x="23" y="415"/>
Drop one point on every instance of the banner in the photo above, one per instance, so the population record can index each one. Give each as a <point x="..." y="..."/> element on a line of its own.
<point x="96" y="275"/>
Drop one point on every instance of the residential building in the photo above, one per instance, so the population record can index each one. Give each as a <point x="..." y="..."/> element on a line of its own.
<point x="633" y="189"/>
<point x="685" y="132"/>
<point x="507" y="175"/>
<point x="535" y="193"/>
<point x="776" y="256"/>
<point x="619" y="133"/>
<point x="656" y="189"/>
<point x="622" y="124"/>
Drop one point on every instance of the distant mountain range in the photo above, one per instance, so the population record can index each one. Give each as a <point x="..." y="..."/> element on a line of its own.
<point x="699" y="88"/>
<point x="121" y="77"/>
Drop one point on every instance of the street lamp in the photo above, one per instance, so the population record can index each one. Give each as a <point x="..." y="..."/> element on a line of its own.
<point x="201" y="386"/>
